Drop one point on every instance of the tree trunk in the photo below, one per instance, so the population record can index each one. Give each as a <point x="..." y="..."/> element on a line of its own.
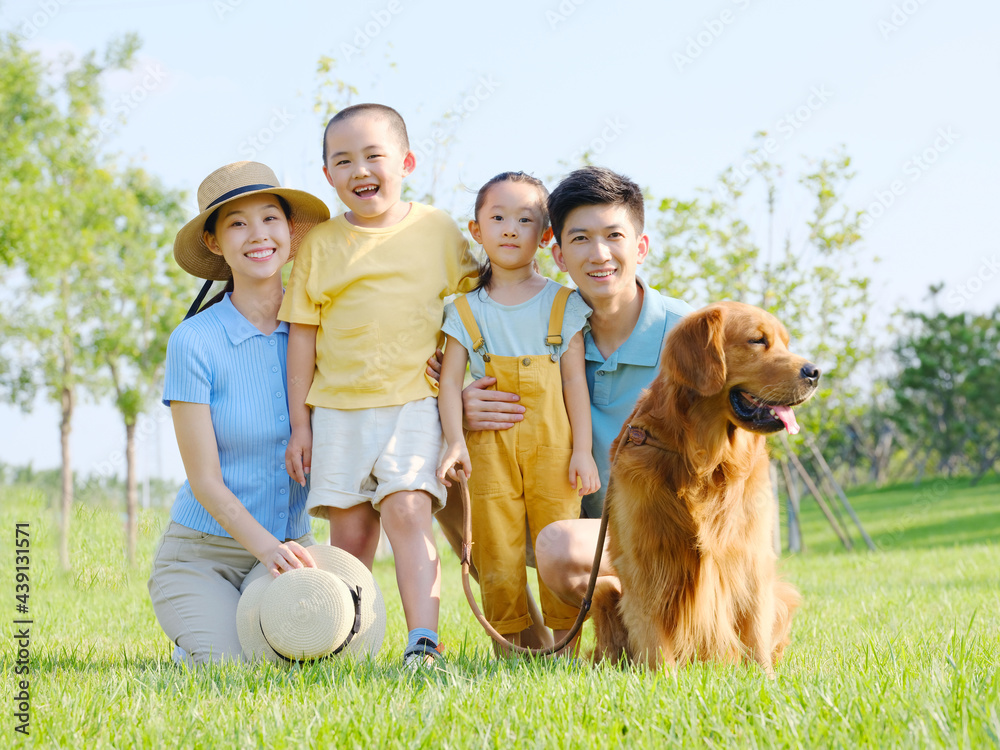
<point x="67" y="399"/>
<point x="883" y="454"/>
<point x="794" y="527"/>
<point x="817" y="495"/>
<point x="131" y="492"/>
<point x="776" y="534"/>
<point x="67" y="403"/>
<point x="985" y="464"/>
<point x="914" y="459"/>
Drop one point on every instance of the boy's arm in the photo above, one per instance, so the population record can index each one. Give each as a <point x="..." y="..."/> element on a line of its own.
<point x="572" y="367"/>
<point x="462" y="263"/>
<point x="200" y="454"/>
<point x="450" y="407"/>
<point x="301" y="367"/>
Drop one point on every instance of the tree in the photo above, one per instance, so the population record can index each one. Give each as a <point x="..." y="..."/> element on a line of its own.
<point x="137" y="290"/>
<point x="60" y="198"/>
<point x="26" y="121"/>
<point x="716" y="245"/>
<point x="870" y="435"/>
<point x="946" y="391"/>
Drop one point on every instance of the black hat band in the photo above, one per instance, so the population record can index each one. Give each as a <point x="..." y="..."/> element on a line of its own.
<point x="238" y="191"/>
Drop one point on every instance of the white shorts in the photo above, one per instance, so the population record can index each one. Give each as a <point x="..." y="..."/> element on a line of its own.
<point x="362" y="455"/>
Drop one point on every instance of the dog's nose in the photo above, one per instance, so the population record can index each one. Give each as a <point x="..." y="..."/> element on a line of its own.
<point x="810" y="372"/>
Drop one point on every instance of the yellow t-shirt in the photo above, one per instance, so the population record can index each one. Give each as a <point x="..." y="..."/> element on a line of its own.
<point x="377" y="296"/>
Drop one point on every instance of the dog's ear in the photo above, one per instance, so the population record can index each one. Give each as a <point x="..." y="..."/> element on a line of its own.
<point x="693" y="353"/>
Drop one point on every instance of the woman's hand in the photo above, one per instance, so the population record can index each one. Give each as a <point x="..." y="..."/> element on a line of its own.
<point x="200" y="453"/>
<point x="285" y="556"/>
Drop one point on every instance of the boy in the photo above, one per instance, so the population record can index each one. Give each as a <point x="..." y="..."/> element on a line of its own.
<point x="365" y="303"/>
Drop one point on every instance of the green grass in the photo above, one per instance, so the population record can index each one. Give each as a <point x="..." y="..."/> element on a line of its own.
<point x="893" y="649"/>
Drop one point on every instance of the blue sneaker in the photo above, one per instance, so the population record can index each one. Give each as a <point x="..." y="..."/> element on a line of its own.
<point x="423" y="654"/>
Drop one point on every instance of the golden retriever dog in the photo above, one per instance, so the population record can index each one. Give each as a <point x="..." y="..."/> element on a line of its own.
<point x="691" y="513"/>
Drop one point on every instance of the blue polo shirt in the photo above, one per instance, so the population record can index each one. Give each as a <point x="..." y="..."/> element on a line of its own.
<point x="616" y="382"/>
<point x="219" y="358"/>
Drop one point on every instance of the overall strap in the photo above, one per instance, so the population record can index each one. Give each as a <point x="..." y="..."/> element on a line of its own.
<point x="469" y="321"/>
<point x="554" y="338"/>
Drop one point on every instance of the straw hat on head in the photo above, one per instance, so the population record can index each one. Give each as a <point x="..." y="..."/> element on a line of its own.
<point x="229" y="183"/>
<point x="312" y="613"/>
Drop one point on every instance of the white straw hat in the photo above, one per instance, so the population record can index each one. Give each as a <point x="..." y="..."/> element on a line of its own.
<point x="312" y="613"/>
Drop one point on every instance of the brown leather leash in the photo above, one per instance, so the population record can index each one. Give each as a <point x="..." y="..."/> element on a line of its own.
<point x="634" y="435"/>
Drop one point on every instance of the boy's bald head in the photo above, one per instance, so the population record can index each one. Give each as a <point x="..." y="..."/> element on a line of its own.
<point x="396" y="125"/>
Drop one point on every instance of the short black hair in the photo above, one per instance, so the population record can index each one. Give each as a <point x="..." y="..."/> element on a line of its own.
<point x="396" y="125"/>
<point x="595" y="186"/>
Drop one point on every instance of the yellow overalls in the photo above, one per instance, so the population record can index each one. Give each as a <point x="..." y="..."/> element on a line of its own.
<point x="520" y="472"/>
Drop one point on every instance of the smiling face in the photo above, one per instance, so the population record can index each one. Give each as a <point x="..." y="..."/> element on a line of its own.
<point x="366" y="164"/>
<point x="253" y="235"/>
<point x="600" y="250"/>
<point x="511" y="224"/>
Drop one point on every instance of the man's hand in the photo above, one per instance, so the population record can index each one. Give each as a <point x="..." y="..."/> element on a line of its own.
<point x="487" y="409"/>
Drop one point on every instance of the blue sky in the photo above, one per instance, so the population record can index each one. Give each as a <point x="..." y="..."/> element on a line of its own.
<point x="670" y="93"/>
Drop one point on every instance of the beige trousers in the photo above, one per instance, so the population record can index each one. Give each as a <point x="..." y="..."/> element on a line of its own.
<point x="195" y="589"/>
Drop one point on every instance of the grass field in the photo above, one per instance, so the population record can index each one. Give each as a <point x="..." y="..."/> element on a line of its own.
<point x="893" y="649"/>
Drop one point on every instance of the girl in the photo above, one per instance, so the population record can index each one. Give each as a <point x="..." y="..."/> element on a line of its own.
<point x="526" y="331"/>
<point x="225" y="386"/>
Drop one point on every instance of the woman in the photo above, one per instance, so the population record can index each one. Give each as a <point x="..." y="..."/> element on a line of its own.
<point x="225" y="385"/>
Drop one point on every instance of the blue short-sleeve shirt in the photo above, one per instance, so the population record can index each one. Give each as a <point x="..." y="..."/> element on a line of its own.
<point x="616" y="382"/>
<point x="221" y="359"/>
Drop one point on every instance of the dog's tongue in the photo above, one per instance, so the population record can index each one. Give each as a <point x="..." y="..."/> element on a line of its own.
<point x="787" y="417"/>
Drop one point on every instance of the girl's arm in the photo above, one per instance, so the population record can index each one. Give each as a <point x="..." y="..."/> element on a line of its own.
<point x="572" y="367"/>
<point x="301" y="367"/>
<point x="450" y="407"/>
<point x="200" y="453"/>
